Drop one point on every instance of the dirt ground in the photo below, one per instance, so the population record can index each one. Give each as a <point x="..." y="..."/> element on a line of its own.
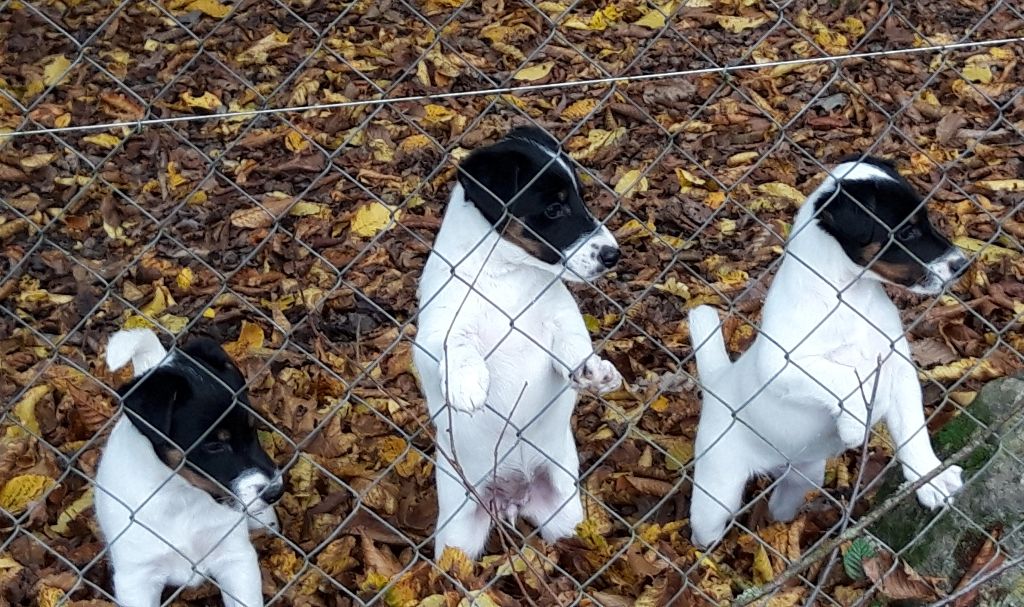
<point x="297" y="238"/>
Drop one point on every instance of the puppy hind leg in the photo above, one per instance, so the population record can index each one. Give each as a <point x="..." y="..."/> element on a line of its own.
<point x="718" y="483"/>
<point x="554" y="505"/>
<point x="791" y="489"/>
<point x="461" y="521"/>
<point x="238" y="575"/>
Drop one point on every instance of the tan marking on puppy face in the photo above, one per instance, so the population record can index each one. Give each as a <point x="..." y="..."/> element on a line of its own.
<point x="905" y="274"/>
<point x="515" y="232"/>
<point x="173" y="458"/>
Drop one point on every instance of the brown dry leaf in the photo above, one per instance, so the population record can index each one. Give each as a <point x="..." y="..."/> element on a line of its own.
<point x="259" y="52"/>
<point x="990" y="558"/>
<point x="273" y="207"/>
<point x="899" y="582"/>
<point x="379" y="560"/>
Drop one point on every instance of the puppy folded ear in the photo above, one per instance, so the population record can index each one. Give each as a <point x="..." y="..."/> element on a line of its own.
<point x="491" y="177"/>
<point x="847" y="213"/>
<point x="150" y="403"/>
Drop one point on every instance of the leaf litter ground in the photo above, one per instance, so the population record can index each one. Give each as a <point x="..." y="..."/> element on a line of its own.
<point x="297" y="240"/>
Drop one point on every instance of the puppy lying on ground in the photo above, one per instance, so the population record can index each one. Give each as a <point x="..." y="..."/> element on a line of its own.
<point x="183" y="477"/>
<point x="829" y="340"/>
<point x="502" y="347"/>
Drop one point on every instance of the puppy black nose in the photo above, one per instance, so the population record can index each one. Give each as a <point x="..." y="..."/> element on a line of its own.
<point x="609" y="256"/>
<point x="272" y="493"/>
<point x="958" y="265"/>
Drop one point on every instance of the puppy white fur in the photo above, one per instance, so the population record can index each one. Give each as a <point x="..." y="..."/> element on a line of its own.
<point x="502" y="350"/>
<point x="802" y="392"/>
<point x="163" y="530"/>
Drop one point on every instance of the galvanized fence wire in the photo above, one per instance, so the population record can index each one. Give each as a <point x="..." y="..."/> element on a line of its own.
<point x="389" y="101"/>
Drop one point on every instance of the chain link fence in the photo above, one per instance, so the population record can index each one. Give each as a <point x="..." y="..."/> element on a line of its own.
<point x="272" y="174"/>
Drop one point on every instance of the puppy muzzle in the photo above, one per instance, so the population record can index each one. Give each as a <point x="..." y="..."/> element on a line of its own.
<point x="941" y="272"/>
<point x="592" y="255"/>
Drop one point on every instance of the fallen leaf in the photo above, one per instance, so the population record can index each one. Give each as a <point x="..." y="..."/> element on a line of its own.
<point x="899" y="581"/>
<point x="54" y="70"/>
<point x="18" y="492"/>
<point x="210" y="7"/>
<point x="535" y="72"/>
<point x="989" y="558"/>
<point x="103" y="140"/>
<point x="25" y="412"/>
<point x="206" y="101"/>
<point x="250" y="340"/>
<point x="82" y="503"/>
<point x="739" y="24"/>
<point x="372" y="218"/>
<point x="977" y="73"/>
<point x="259" y="52"/>
<point x="632" y="182"/>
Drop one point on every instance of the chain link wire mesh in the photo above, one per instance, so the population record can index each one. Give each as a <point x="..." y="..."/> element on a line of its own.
<point x="272" y="173"/>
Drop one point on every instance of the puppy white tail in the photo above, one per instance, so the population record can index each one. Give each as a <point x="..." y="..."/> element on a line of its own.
<point x="140" y="346"/>
<point x="706" y="338"/>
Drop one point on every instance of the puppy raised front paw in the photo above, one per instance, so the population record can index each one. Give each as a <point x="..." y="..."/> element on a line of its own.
<point x="597" y="375"/>
<point x="934" y="494"/>
<point x="465" y="388"/>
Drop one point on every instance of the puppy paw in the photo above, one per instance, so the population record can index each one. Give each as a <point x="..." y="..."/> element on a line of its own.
<point x="465" y="388"/>
<point x="851" y="432"/>
<point x="935" y="494"/>
<point x="597" y="375"/>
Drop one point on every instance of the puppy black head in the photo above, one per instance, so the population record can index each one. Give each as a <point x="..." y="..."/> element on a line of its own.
<point x="195" y="411"/>
<point x="882" y="224"/>
<point x="527" y="189"/>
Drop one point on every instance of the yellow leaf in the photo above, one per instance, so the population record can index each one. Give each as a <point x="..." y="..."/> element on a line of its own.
<point x="250" y="339"/>
<point x="853" y="26"/>
<point x="259" y="52"/>
<point x="782" y="190"/>
<point x="680" y="452"/>
<point x="655" y="19"/>
<point x="136" y="322"/>
<point x="414" y="143"/>
<point x="209" y="313"/>
<point x="673" y="286"/>
<point x="456" y="562"/>
<point x="21" y="490"/>
<point x="987" y="252"/>
<point x="739" y="24"/>
<point x="174" y="177"/>
<point x="35" y="161"/>
<point x="210" y="7"/>
<point x="741" y="159"/>
<point x="185" y="278"/>
<point x="437" y="114"/>
<point x="1003" y="185"/>
<point x="604" y="17"/>
<point x="660" y="404"/>
<point x="206" y="101"/>
<point x="25" y="411"/>
<point x="579" y="110"/>
<point x="732" y="278"/>
<point x="304" y="209"/>
<point x="174" y="324"/>
<point x="382" y="150"/>
<point x="62" y="121"/>
<point x="161" y="301"/>
<point x="295" y="142"/>
<point x="591" y="322"/>
<point x="103" y="140"/>
<point x="373" y="218"/>
<point x="687" y="179"/>
<point x="971" y="367"/>
<point x="54" y="70"/>
<point x="598" y="139"/>
<point x="535" y="72"/>
<point x="762" y="566"/>
<point x="70" y="513"/>
<point x="977" y="73"/>
<point x="631" y="183"/>
<point x="727" y="226"/>
<point x="49" y="596"/>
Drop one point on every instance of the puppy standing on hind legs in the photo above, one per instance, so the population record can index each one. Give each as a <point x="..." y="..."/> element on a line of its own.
<point x="502" y="347"/>
<point x="830" y="339"/>
<point x="185" y="448"/>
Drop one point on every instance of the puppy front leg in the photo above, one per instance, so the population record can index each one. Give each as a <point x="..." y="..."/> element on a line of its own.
<point x="905" y="420"/>
<point x="837" y="387"/>
<point x="238" y="574"/>
<point x="137" y="589"/>
<point x="573" y="354"/>
<point x="465" y="379"/>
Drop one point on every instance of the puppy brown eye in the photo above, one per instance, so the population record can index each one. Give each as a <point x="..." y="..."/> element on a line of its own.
<point x="554" y="210"/>
<point x="216" y="447"/>
<point x="908" y="232"/>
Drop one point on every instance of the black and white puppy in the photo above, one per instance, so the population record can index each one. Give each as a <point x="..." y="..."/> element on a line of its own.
<point x="830" y="339"/>
<point x="502" y="347"/>
<point x="183" y="477"/>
